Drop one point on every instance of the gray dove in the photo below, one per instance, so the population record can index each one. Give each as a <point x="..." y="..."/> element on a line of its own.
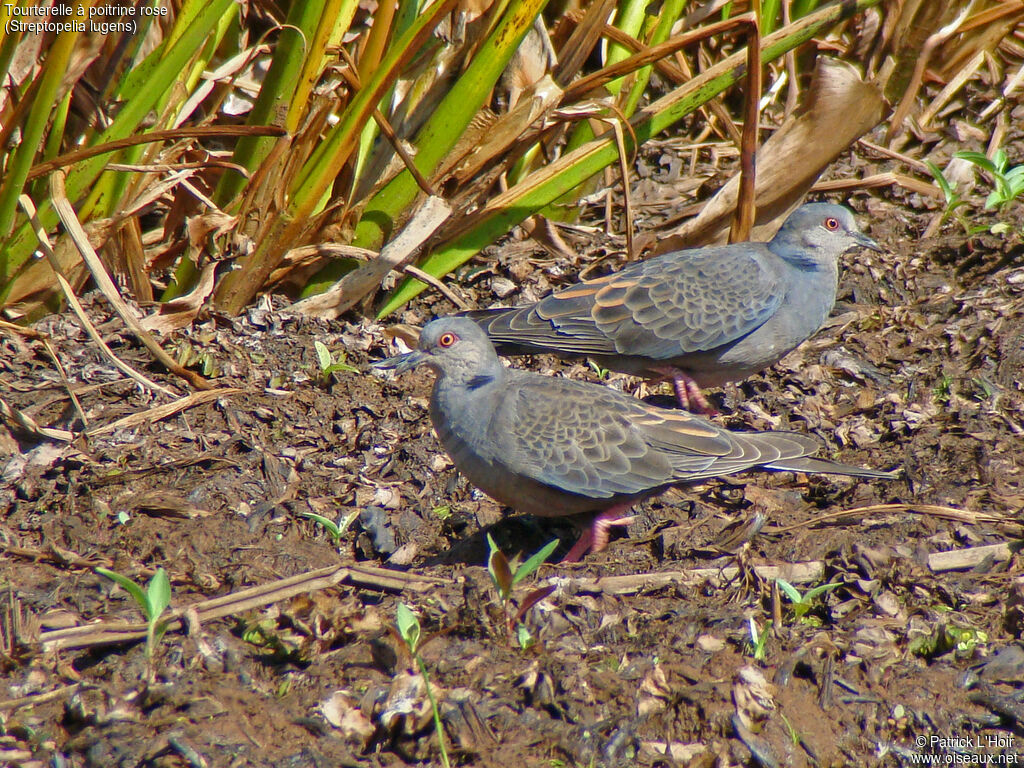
<point x="552" y="446"/>
<point x="699" y="317"/>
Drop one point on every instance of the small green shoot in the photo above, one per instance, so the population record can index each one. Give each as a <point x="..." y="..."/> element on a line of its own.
<point x="943" y="390"/>
<point x="153" y="601"/>
<point x="501" y="573"/>
<point x="802" y="604"/>
<point x="334" y="530"/>
<point x="983" y="389"/>
<point x="602" y="373"/>
<point x="504" y="580"/>
<point x="1008" y="185"/>
<point x="945" y="638"/>
<point x="523" y="637"/>
<point x="329" y="364"/>
<point x="1009" y="182"/>
<point x="442" y="512"/>
<point x="409" y="629"/>
<point x="794" y="737"/>
<point x="758" y="639"/>
<point x="953" y="200"/>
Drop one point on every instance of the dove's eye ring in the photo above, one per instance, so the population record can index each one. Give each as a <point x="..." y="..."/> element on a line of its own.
<point x="446" y="340"/>
<point x="831" y="223"/>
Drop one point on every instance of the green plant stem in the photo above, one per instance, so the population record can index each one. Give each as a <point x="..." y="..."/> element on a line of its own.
<point x="436" y="710"/>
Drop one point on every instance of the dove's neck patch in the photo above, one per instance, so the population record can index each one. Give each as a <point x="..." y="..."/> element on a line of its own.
<point x="478" y="381"/>
<point x="801" y="258"/>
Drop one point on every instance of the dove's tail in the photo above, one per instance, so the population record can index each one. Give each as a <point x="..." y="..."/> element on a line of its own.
<point x="825" y="466"/>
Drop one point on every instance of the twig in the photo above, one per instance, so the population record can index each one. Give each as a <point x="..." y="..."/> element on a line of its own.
<point x="69" y="294"/>
<point x="957" y="82"/>
<point x="879" y="180"/>
<point x="151" y="137"/>
<point x="110" y="633"/>
<point x="67" y="384"/>
<point x="156" y="413"/>
<point x="624" y="161"/>
<point x="962" y="559"/>
<point x="351" y="75"/>
<point x="27" y="423"/>
<point x="54" y="554"/>
<point x="419" y="274"/>
<point x="914" y="163"/>
<point x="947" y="513"/>
<point x="69" y="219"/>
<point x="38" y="698"/>
<point x="794" y="573"/>
<point x="28" y="333"/>
<point x="743" y="218"/>
<point x="1012" y="84"/>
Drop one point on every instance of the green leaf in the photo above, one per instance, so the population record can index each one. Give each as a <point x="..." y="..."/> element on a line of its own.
<point x="523" y="636"/>
<point x="769" y="15"/>
<point x="442" y="130"/>
<point x="408" y="626"/>
<point x="941" y="180"/>
<point x="158" y="594"/>
<point x="790" y="590"/>
<point x="497" y="567"/>
<point x="534" y="562"/>
<point x="1015" y="173"/>
<point x="323" y="355"/>
<point x="128" y="586"/>
<point x="329" y="525"/>
<point x="759" y="639"/>
<point x="169" y="61"/>
<point x="1000" y="160"/>
<point x="801" y="8"/>
<point x="819" y="590"/>
<point x="1014" y="179"/>
<point x="979" y="159"/>
<point x="340" y="365"/>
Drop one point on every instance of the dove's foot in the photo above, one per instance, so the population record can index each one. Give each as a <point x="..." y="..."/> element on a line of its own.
<point x="595" y="538"/>
<point x="687" y="391"/>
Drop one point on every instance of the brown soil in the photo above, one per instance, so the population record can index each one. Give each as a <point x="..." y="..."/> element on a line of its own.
<point x="920" y="367"/>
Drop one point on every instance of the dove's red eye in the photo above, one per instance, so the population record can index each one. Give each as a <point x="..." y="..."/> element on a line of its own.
<point x="831" y="223"/>
<point x="447" y="339"/>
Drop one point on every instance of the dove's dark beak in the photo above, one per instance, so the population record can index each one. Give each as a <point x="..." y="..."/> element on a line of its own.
<point x="402" y="363"/>
<point x="867" y="242"/>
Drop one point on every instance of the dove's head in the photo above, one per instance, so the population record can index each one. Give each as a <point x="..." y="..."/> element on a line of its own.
<point x="455" y="347"/>
<point x="820" y="231"/>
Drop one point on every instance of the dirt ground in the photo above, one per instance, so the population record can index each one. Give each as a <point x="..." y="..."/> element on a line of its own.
<point x="641" y="655"/>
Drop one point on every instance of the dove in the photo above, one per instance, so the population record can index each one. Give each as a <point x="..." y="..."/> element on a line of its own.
<point x="552" y="446"/>
<point x="699" y="317"/>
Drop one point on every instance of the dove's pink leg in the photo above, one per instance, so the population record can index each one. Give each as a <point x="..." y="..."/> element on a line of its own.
<point x="687" y="391"/>
<point x="595" y="538"/>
